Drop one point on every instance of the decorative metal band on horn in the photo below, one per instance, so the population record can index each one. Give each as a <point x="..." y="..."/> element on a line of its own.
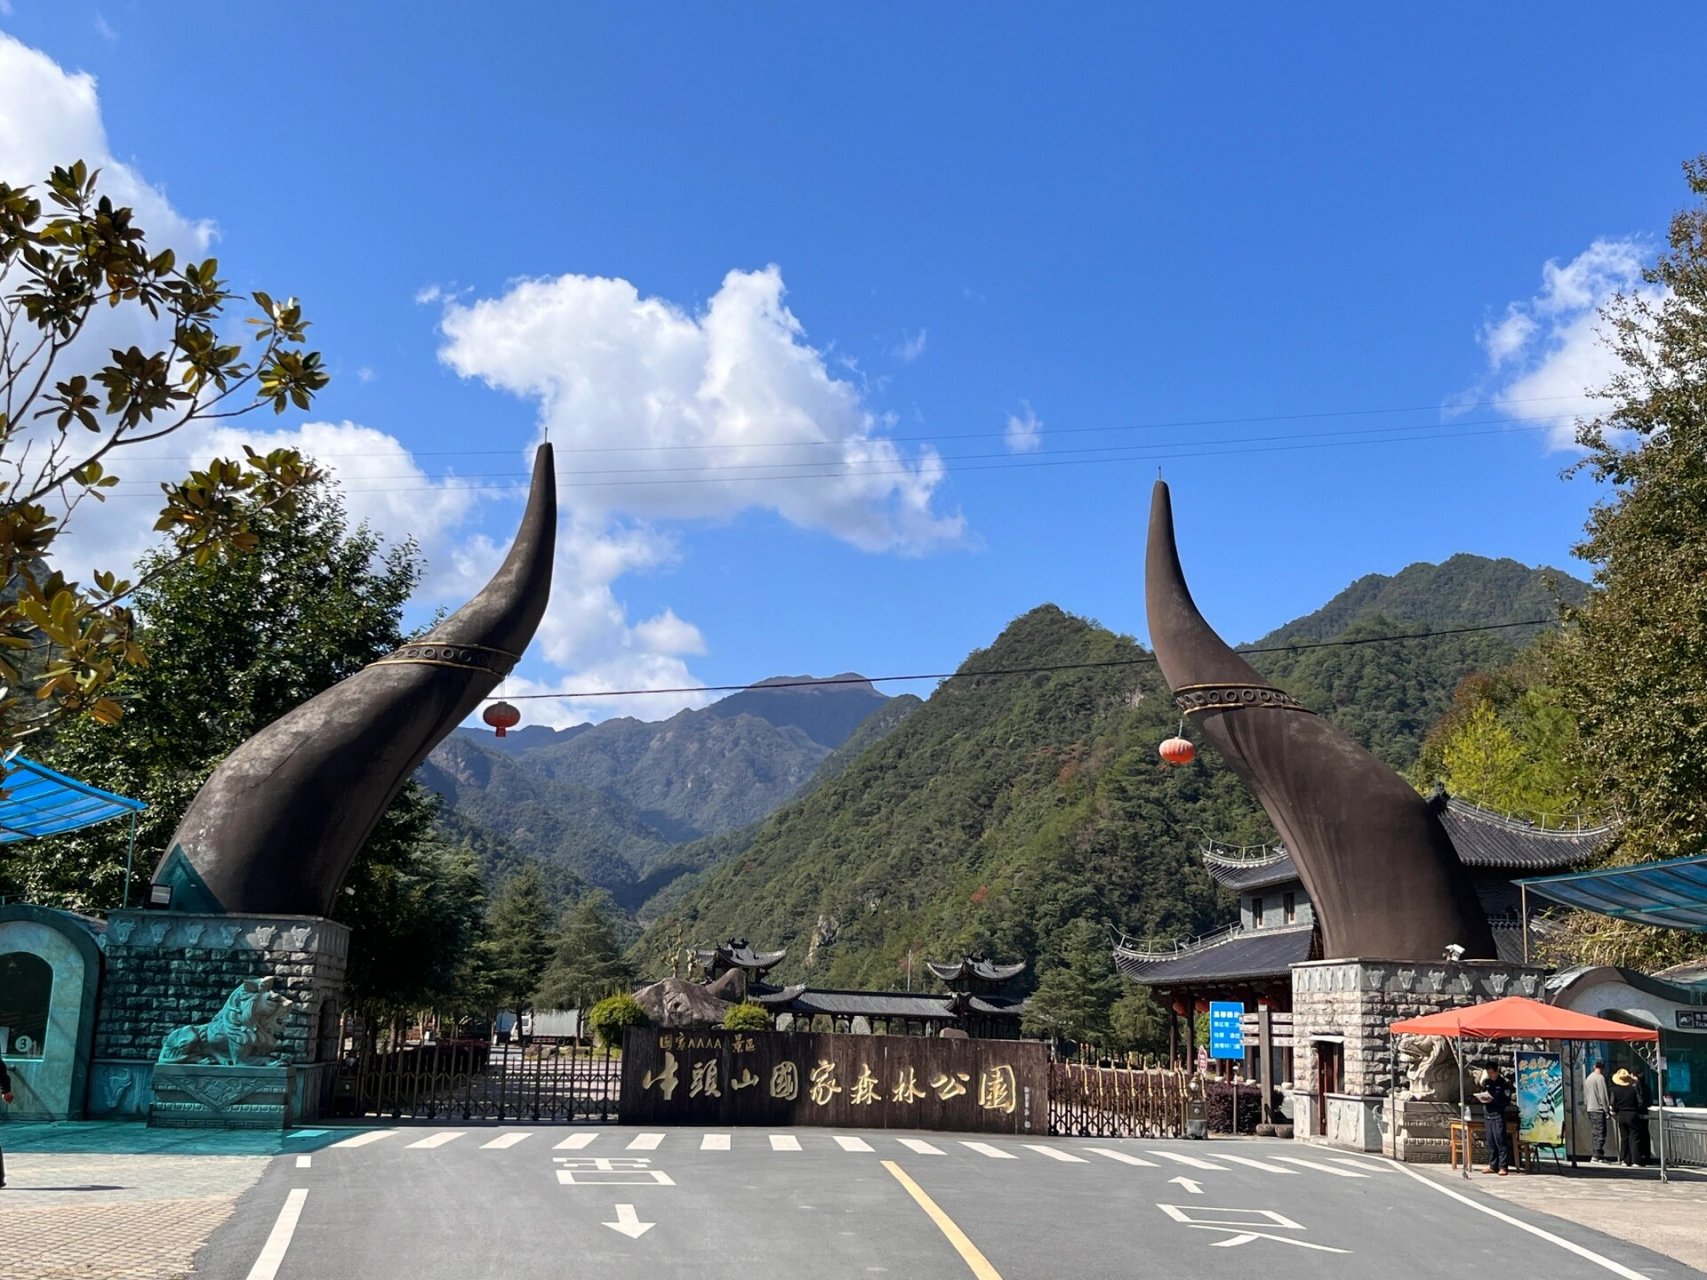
<point x="1231" y="697"/>
<point x="467" y="657"/>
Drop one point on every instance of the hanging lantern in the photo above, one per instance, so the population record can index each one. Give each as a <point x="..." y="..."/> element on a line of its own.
<point x="502" y="716"/>
<point x="1177" y="751"/>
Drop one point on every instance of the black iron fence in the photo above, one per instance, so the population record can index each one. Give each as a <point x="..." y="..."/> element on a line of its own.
<point x="471" y="1081"/>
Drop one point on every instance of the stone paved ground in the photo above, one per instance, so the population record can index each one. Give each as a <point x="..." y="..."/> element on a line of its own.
<point x="1631" y="1204"/>
<point x="103" y="1214"/>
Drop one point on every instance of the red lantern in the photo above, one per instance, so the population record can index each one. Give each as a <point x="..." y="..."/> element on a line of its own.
<point x="1178" y="751"/>
<point x="501" y="716"/>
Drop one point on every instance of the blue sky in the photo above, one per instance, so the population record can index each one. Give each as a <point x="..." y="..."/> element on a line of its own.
<point x="863" y="329"/>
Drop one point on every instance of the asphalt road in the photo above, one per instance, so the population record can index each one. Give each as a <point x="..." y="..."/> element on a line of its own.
<point x="426" y="1204"/>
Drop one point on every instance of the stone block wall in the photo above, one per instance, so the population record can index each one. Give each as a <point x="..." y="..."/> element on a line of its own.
<point x="166" y="970"/>
<point x="1354" y="1001"/>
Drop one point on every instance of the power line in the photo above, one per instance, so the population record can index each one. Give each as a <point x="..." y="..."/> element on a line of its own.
<point x="1145" y="660"/>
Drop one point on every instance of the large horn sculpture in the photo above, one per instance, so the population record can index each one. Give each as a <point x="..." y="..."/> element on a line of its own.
<point x="275" y="828"/>
<point x="1379" y="866"/>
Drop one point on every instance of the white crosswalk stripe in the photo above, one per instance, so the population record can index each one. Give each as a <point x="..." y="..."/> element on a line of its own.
<point x="505" y="1141"/>
<point x="985" y="1149"/>
<point x="438" y="1139"/>
<point x="1351" y="1162"/>
<point x="1264" y="1165"/>
<point x="362" y="1139"/>
<point x="921" y="1146"/>
<point x="1320" y="1167"/>
<point x="1193" y="1161"/>
<point x="784" y="1142"/>
<point x="575" y="1142"/>
<point x="715" y="1142"/>
<point x="1122" y="1157"/>
<point x="852" y="1144"/>
<point x="1055" y="1153"/>
<point x="646" y="1142"/>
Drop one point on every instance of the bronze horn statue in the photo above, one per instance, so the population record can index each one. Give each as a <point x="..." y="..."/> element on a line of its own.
<point x="275" y="828"/>
<point x="1380" y="868"/>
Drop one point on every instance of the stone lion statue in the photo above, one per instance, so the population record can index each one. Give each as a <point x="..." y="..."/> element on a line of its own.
<point x="1431" y="1072"/>
<point x="242" y="1034"/>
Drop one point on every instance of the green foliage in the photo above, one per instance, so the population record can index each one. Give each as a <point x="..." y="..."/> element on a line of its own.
<point x="613" y="1015"/>
<point x="1631" y="676"/>
<point x="518" y="949"/>
<point x="747" y="1016"/>
<point x="587" y="962"/>
<point x="1076" y="993"/>
<point x="69" y="400"/>
<point x="231" y="647"/>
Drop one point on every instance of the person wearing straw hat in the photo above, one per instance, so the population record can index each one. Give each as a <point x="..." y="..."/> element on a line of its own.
<point x="1630" y="1105"/>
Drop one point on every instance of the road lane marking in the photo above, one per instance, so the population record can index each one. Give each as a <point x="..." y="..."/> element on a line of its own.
<point x="853" y="1144"/>
<point x="715" y="1142"/>
<point x="575" y="1142"/>
<point x="1193" y="1161"/>
<point x="307" y="1133"/>
<point x="628" y="1222"/>
<point x="784" y="1142"/>
<point x="1055" y="1153"/>
<point x="920" y="1145"/>
<point x="1617" y="1268"/>
<point x="1121" y="1156"/>
<point x="985" y="1149"/>
<point x="1320" y="1167"/>
<point x="272" y="1253"/>
<point x="975" y="1261"/>
<point x="305" y="1162"/>
<point x="1264" y="1165"/>
<point x="504" y="1141"/>
<point x="1352" y="1162"/>
<point x="438" y="1139"/>
<point x="645" y="1142"/>
<point x="362" y="1139"/>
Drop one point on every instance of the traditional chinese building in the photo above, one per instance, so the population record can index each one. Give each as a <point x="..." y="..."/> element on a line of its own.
<point x="1251" y="961"/>
<point x="975" y="1005"/>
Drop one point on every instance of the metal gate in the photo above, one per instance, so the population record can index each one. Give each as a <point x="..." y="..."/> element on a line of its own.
<point x="472" y="1081"/>
<point x="1116" y="1102"/>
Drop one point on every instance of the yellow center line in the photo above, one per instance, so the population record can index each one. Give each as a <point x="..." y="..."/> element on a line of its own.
<point x="974" y="1260"/>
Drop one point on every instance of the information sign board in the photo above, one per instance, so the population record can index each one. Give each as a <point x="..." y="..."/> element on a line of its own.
<point x="1226" y="1029"/>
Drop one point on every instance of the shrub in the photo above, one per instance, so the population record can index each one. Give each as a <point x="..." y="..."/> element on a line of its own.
<point x="747" y="1016"/>
<point x="613" y="1015"/>
<point x="1233" y="1108"/>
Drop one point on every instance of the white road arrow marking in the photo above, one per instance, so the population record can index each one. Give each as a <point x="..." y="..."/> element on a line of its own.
<point x="1192" y="1188"/>
<point x="628" y="1222"/>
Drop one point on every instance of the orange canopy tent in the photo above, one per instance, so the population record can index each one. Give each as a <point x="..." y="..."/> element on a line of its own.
<point x="1519" y="1018"/>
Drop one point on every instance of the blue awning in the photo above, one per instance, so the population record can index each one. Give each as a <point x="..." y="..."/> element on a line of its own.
<point x="1670" y="894"/>
<point x="43" y="802"/>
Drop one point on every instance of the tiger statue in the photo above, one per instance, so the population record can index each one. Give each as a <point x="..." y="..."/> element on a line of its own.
<point x="242" y="1034"/>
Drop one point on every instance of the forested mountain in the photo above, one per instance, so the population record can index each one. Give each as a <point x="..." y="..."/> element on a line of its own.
<point x="1388" y="694"/>
<point x="1008" y="808"/>
<point x="611" y="803"/>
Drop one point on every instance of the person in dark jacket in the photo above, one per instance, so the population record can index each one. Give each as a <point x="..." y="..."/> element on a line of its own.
<point x="1630" y="1106"/>
<point x="1496" y="1097"/>
<point x="6" y="1097"/>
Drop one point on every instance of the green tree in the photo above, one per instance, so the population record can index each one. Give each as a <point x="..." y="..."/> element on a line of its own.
<point x="1632" y="674"/>
<point x="613" y="1015"/>
<point x="518" y="946"/>
<point x="587" y="962"/>
<point x="231" y="647"/>
<point x="1075" y="995"/>
<point x="69" y="400"/>
<point x="749" y="1015"/>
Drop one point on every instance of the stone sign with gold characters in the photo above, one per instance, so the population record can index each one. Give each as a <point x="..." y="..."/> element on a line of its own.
<point x="717" y="1077"/>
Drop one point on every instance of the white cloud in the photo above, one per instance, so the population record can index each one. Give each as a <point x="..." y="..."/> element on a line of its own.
<point x="105" y="29"/>
<point x="1546" y="353"/>
<point x="671" y="415"/>
<point x="1025" y="430"/>
<point x="428" y="294"/>
<point x="910" y="349"/>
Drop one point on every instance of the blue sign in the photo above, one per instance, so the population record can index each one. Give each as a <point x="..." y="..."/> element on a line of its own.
<point x="1226" y="1029"/>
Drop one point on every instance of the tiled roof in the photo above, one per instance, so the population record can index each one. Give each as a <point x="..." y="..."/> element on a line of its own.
<point x="881" y="1004"/>
<point x="739" y="954"/>
<point x="976" y="967"/>
<point x="1482" y="838"/>
<point x="1245" y="954"/>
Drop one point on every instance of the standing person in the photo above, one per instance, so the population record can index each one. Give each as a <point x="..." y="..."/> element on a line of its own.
<point x="1496" y="1097"/>
<point x="1630" y="1105"/>
<point x="1597" y="1101"/>
<point x="6" y="1097"/>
